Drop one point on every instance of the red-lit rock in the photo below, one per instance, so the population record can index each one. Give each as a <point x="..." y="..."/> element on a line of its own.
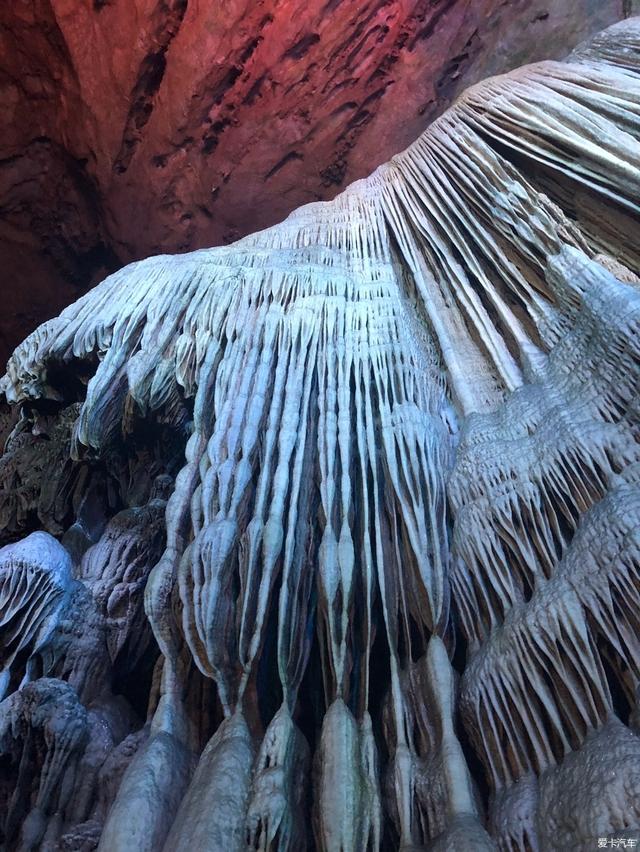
<point x="146" y="126"/>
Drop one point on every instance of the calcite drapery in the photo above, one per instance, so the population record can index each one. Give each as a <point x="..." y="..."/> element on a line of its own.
<point x="410" y="430"/>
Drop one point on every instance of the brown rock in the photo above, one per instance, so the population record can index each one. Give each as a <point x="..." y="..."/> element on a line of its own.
<point x="166" y="125"/>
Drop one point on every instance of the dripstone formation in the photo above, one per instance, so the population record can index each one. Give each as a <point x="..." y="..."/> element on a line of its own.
<point x="330" y="538"/>
<point x="140" y="127"/>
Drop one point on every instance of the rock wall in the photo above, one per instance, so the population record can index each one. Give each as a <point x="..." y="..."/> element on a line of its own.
<point x="372" y="477"/>
<point x="134" y="127"/>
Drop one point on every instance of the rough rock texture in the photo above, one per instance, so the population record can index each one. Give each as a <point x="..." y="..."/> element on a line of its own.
<point x="133" y="127"/>
<point x="375" y="472"/>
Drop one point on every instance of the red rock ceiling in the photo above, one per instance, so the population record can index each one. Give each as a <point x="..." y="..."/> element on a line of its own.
<point x="132" y="127"/>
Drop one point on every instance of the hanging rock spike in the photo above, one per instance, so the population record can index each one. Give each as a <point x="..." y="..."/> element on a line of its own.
<point x="372" y="477"/>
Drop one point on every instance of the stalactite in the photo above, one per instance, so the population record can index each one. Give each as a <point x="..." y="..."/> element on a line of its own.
<point x="374" y="474"/>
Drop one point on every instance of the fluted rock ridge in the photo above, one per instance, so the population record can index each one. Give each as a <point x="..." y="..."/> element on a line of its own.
<point x="375" y="471"/>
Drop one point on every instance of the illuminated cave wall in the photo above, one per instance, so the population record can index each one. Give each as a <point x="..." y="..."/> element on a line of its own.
<point x="133" y="128"/>
<point x="329" y="538"/>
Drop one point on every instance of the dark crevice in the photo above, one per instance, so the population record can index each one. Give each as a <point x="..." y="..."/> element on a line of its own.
<point x="430" y="27"/>
<point x="301" y="47"/>
<point x="150" y="77"/>
<point x="254" y="92"/>
<point x="288" y="158"/>
<point x="211" y="138"/>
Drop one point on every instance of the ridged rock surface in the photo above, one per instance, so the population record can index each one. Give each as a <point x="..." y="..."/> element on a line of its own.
<point x="373" y="475"/>
<point x="134" y="127"/>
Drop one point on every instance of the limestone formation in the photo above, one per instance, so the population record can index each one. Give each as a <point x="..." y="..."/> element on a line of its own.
<point x="140" y="127"/>
<point x="373" y="476"/>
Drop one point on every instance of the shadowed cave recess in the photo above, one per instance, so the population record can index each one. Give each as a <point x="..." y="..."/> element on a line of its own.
<point x="329" y="538"/>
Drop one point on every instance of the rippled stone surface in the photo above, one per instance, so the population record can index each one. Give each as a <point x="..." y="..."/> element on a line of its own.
<point x="141" y="127"/>
<point x="373" y="475"/>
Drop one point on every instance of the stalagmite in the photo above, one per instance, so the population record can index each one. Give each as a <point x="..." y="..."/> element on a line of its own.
<point x="373" y="476"/>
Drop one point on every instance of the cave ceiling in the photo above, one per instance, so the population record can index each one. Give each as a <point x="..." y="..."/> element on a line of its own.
<point x="141" y="127"/>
